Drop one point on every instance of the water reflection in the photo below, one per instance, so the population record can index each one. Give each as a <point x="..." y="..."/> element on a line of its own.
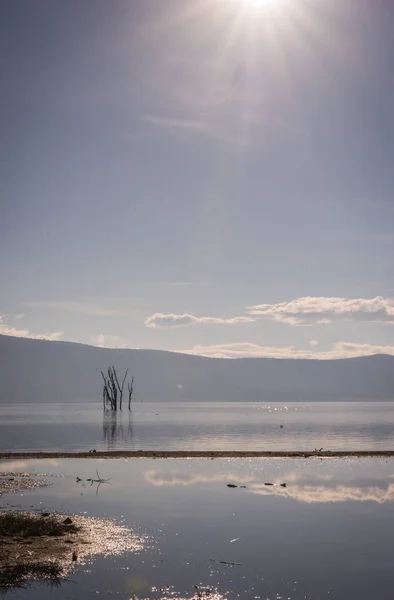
<point x="327" y="493"/>
<point x="306" y="487"/>
<point x="50" y="557"/>
<point x="115" y="429"/>
<point x="195" y="426"/>
<point x="160" y="478"/>
<point x="201" y="592"/>
<point x="8" y="466"/>
<point x="325" y="535"/>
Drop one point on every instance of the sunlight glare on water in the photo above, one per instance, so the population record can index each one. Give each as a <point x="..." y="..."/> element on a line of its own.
<point x="193" y="536"/>
<point x="199" y="426"/>
<point x="202" y="592"/>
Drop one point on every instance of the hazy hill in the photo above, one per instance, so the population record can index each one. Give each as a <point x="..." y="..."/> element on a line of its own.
<point x="41" y="371"/>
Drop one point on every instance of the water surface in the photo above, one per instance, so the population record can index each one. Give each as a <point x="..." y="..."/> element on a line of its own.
<point x="199" y="426"/>
<point x="327" y="534"/>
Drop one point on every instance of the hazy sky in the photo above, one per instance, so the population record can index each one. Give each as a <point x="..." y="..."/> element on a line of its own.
<point x="205" y="175"/>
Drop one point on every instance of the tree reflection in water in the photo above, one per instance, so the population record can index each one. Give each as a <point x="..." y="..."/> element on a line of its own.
<point x="116" y="430"/>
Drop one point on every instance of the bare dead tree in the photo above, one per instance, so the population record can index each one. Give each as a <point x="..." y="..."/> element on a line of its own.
<point x="130" y="387"/>
<point x="107" y="395"/>
<point x="113" y="390"/>
<point x="120" y="387"/>
<point x="104" y="396"/>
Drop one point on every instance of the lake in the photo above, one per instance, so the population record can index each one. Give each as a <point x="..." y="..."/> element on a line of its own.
<point x="327" y="535"/>
<point x="199" y="426"/>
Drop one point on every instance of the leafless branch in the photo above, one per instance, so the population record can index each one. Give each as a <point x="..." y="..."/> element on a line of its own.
<point x="112" y="390"/>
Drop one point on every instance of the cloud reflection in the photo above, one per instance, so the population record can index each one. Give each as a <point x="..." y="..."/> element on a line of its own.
<point x="21" y="465"/>
<point x="317" y="492"/>
<point x="301" y="487"/>
<point x="160" y="478"/>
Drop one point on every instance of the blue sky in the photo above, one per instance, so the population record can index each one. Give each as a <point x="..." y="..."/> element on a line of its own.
<point x="209" y="176"/>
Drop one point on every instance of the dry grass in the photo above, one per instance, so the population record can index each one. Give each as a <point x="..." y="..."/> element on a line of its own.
<point x="18" y="567"/>
<point x="48" y="548"/>
<point x="32" y="525"/>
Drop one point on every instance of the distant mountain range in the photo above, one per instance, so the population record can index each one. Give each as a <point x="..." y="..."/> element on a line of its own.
<point x="43" y="371"/>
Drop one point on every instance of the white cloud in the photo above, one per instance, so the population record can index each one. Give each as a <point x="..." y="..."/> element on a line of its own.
<point x="84" y="308"/>
<point x="19" y="316"/>
<point x="309" y="310"/>
<point x="107" y="341"/>
<point x="5" y="329"/>
<point x="322" y="310"/>
<point x="172" y="320"/>
<point x="313" y="343"/>
<point x="246" y="349"/>
<point x="352" y="349"/>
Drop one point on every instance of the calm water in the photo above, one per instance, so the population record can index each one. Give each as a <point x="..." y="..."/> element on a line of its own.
<point x="221" y="426"/>
<point x="327" y="535"/>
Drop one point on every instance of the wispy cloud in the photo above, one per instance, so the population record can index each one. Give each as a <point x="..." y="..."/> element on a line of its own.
<point x="219" y="129"/>
<point x="103" y="340"/>
<point x="349" y="349"/>
<point x="322" y="310"/>
<point x="308" y="310"/>
<point x="19" y="316"/>
<point x="247" y="350"/>
<point x="6" y="329"/>
<point x="84" y="308"/>
<point x="173" y="320"/>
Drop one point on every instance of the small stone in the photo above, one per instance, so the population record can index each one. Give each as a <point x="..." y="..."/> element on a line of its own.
<point x="67" y="521"/>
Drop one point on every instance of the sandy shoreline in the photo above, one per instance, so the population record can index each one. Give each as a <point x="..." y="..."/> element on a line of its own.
<point x="196" y="454"/>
